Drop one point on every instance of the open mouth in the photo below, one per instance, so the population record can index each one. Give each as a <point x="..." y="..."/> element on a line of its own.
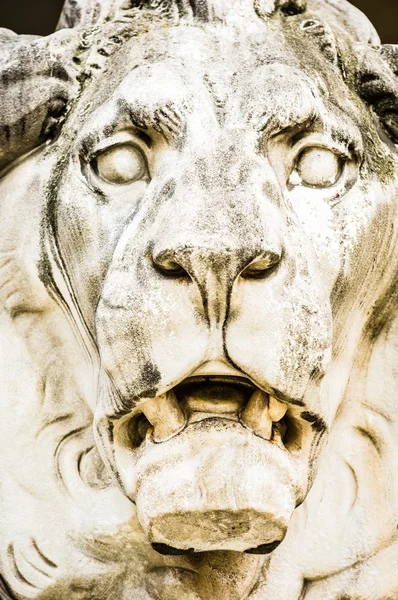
<point x="212" y="464"/>
<point x="211" y="397"/>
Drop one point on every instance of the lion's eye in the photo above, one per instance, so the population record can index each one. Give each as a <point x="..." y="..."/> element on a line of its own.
<point x="120" y="165"/>
<point x="318" y="168"/>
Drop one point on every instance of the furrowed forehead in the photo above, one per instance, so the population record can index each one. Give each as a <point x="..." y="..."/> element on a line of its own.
<point x="239" y="88"/>
<point x="253" y="76"/>
<point x="219" y="56"/>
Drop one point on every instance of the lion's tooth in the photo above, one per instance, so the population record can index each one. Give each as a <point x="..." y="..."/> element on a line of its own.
<point x="256" y="415"/>
<point x="279" y="431"/>
<point x="165" y="415"/>
<point x="277" y="409"/>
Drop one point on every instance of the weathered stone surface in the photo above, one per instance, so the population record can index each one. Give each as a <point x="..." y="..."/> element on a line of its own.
<point x="198" y="290"/>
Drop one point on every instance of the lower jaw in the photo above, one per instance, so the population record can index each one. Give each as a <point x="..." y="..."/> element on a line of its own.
<point x="215" y="486"/>
<point x="241" y="530"/>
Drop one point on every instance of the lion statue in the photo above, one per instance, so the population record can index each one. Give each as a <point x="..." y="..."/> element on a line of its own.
<point x="198" y="289"/>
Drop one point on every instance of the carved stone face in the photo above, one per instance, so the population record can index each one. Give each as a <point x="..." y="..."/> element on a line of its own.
<point x="219" y="220"/>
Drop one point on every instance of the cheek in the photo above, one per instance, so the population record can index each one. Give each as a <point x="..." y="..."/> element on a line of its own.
<point x="142" y="321"/>
<point x="322" y="229"/>
<point x="363" y="223"/>
<point x="280" y="329"/>
<point x="353" y="242"/>
<point x="345" y="233"/>
<point x="88" y="229"/>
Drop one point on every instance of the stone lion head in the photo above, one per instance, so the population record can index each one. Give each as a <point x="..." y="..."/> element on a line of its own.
<point x="216" y="222"/>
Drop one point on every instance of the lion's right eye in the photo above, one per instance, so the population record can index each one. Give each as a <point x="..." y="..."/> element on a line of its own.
<point x="319" y="167"/>
<point x="120" y="165"/>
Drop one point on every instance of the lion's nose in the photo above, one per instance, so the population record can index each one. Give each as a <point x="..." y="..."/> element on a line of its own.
<point x="194" y="263"/>
<point x="214" y="270"/>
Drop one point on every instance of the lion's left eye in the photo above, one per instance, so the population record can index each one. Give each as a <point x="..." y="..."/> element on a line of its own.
<point x="120" y="165"/>
<point x="318" y="168"/>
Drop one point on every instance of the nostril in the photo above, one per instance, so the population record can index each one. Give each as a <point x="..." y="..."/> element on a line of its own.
<point x="170" y="551"/>
<point x="264" y="548"/>
<point x="169" y="267"/>
<point x="262" y="266"/>
<point x="172" y="269"/>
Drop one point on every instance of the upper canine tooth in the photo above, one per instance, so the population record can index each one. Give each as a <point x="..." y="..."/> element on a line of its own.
<point x="256" y="415"/>
<point x="279" y="431"/>
<point x="277" y="409"/>
<point x="165" y="415"/>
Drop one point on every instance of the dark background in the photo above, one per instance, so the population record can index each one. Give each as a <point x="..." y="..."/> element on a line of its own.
<point x="40" y="16"/>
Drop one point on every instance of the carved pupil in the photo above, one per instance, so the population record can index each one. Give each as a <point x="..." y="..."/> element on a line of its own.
<point x="120" y="165"/>
<point x="319" y="167"/>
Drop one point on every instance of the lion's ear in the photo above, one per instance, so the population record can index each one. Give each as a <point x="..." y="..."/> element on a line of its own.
<point x="36" y="85"/>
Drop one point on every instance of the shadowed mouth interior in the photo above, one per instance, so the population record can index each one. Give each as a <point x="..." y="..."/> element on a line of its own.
<point x="214" y="395"/>
<point x="202" y="398"/>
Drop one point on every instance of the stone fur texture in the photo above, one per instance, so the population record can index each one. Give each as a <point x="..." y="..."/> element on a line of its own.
<point x="198" y="362"/>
